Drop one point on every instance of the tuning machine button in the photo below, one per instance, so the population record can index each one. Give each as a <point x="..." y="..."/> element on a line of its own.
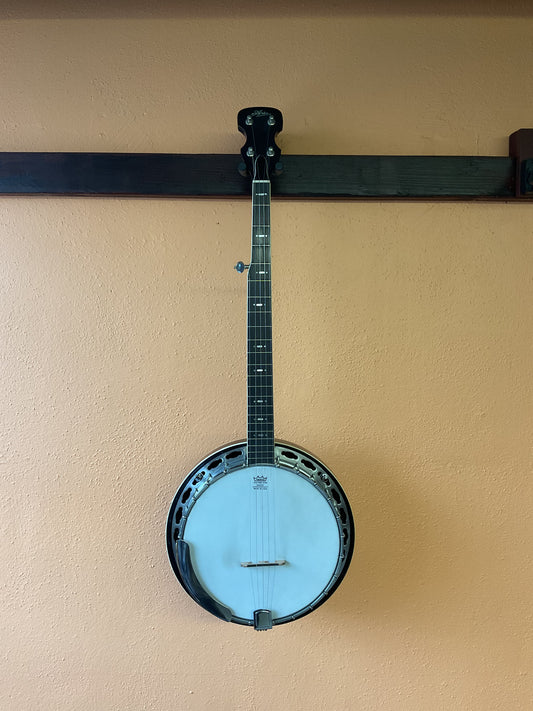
<point x="241" y="266"/>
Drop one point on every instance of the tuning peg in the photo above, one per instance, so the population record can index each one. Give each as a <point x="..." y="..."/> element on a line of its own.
<point x="243" y="170"/>
<point x="241" y="266"/>
<point x="278" y="168"/>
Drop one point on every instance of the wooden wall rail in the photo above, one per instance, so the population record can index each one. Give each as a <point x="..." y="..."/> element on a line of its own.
<point x="304" y="176"/>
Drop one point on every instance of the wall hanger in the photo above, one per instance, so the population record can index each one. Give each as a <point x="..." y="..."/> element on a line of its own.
<point x="504" y="179"/>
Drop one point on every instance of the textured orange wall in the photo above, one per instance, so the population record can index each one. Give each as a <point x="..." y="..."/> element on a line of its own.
<point x="402" y="359"/>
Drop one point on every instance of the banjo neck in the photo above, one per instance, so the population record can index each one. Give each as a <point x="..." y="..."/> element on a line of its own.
<point x="260" y="430"/>
<point x="260" y="156"/>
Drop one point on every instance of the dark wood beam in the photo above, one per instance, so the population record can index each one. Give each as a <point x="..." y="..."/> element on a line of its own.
<point x="303" y="176"/>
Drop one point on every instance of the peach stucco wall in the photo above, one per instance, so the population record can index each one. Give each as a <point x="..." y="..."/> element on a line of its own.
<point x="403" y="351"/>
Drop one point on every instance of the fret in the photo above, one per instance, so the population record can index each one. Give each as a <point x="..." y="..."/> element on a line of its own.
<point x="258" y="335"/>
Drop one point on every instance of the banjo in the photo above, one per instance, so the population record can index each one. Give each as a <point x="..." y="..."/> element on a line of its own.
<point x="260" y="532"/>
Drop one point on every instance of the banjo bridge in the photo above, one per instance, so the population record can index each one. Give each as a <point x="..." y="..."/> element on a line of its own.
<point x="262" y="563"/>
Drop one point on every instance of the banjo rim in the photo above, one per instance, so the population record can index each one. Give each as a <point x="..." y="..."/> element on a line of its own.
<point x="215" y="466"/>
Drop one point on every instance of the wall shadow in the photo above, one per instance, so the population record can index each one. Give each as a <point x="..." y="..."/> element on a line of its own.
<point x="55" y="9"/>
<point x="406" y="545"/>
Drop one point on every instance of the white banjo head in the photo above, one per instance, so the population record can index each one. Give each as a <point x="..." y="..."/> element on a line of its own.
<point x="270" y="539"/>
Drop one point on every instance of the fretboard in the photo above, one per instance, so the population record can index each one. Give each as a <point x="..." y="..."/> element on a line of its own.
<point x="259" y="340"/>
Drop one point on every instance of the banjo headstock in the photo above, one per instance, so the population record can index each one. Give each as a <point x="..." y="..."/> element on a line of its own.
<point x="260" y="153"/>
